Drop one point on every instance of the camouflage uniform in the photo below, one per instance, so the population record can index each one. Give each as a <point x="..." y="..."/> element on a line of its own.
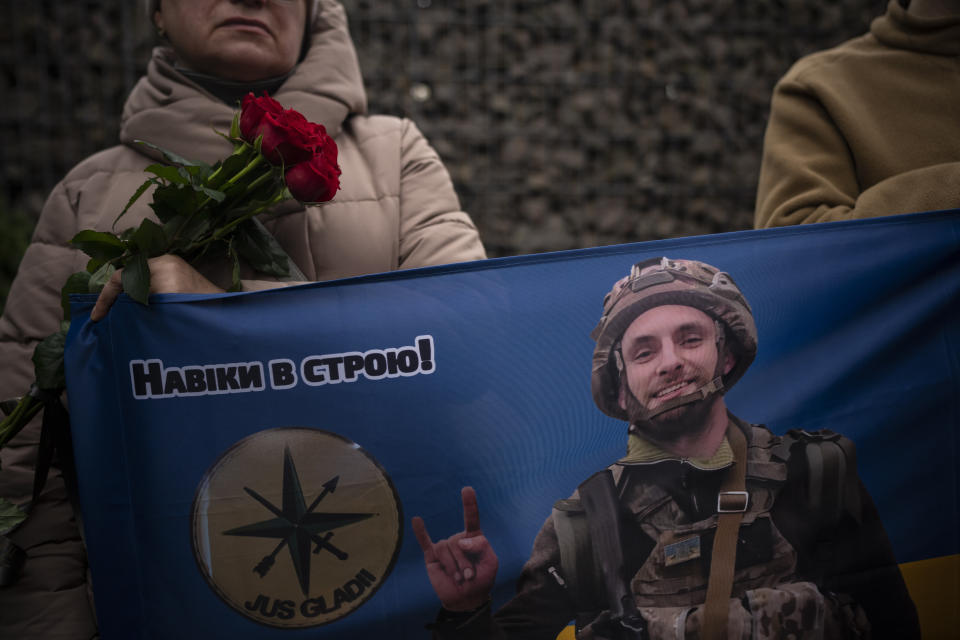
<point x="785" y="583"/>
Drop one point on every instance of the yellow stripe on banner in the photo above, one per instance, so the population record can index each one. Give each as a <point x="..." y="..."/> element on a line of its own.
<point x="934" y="585"/>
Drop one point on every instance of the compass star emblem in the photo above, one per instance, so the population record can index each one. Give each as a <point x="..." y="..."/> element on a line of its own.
<point x="277" y="502"/>
<point x="296" y="525"/>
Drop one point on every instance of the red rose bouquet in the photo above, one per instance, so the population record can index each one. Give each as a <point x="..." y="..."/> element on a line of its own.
<point x="202" y="211"/>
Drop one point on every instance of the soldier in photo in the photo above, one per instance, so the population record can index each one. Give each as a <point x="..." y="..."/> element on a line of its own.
<point x="709" y="527"/>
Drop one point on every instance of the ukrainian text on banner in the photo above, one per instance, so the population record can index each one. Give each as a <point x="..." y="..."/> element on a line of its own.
<point x="201" y="423"/>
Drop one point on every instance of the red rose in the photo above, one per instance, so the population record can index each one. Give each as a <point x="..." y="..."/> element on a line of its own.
<point x="316" y="180"/>
<point x="327" y="147"/>
<point x="288" y="138"/>
<point x="252" y="111"/>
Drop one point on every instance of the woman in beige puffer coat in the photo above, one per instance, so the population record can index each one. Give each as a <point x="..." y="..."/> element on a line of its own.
<point x="396" y="209"/>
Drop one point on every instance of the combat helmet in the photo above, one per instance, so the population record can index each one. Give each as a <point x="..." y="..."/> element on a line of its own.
<point x="661" y="281"/>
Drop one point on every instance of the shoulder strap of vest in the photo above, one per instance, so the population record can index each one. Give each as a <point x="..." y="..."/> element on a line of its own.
<point x="576" y="558"/>
<point x="601" y="506"/>
<point x="591" y="571"/>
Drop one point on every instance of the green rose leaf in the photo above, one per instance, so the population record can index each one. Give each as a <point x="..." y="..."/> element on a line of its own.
<point x="259" y="248"/>
<point x="233" y="165"/>
<point x="18" y="414"/>
<point x="7" y="406"/>
<point x="79" y="282"/>
<point x="99" y="278"/>
<point x="234" y="190"/>
<point x="183" y="230"/>
<point x="198" y="175"/>
<point x="136" y="196"/>
<point x="212" y="193"/>
<point x="235" y="126"/>
<point x="136" y="278"/>
<point x="48" y="362"/>
<point x="264" y="194"/>
<point x="168" y="173"/>
<point x="150" y="238"/>
<point x="267" y="192"/>
<point x="98" y="244"/>
<point x="93" y="264"/>
<point x="235" y="272"/>
<point x="10" y="516"/>
<point x="172" y="200"/>
<point x="169" y="155"/>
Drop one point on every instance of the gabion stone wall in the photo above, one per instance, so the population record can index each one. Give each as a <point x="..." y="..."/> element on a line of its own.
<point x="65" y="69"/>
<point x="564" y="123"/>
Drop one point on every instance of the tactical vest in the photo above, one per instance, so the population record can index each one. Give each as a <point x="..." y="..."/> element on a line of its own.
<point x="671" y="583"/>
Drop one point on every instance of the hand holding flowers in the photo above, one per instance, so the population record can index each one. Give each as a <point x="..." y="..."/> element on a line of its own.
<point x="202" y="212"/>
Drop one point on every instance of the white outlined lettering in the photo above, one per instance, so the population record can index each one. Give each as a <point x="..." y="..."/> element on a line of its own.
<point x="150" y="379"/>
<point x="375" y="364"/>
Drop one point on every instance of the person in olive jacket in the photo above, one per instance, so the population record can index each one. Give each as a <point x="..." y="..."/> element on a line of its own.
<point x="868" y="128"/>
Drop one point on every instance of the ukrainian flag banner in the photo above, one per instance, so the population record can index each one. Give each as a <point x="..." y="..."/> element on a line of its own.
<point x="248" y="464"/>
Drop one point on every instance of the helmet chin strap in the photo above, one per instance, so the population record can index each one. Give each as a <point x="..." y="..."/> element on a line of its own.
<point x="701" y="393"/>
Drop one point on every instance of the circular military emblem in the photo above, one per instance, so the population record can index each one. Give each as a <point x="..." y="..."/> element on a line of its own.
<point x="296" y="527"/>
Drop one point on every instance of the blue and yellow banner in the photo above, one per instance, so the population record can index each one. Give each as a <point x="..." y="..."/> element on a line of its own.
<point x="249" y="463"/>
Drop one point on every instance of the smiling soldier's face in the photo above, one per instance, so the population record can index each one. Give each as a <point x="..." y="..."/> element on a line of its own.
<point x="668" y="352"/>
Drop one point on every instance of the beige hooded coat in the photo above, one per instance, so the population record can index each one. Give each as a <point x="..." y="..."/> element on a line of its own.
<point x="396" y="209"/>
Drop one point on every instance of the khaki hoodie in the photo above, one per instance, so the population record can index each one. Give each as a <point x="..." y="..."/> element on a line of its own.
<point x="396" y="209"/>
<point x="866" y="129"/>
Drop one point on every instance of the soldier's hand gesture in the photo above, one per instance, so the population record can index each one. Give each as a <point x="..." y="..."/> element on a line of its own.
<point x="463" y="567"/>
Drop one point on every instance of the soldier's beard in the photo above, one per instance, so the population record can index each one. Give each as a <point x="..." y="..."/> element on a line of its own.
<point x="685" y="421"/>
